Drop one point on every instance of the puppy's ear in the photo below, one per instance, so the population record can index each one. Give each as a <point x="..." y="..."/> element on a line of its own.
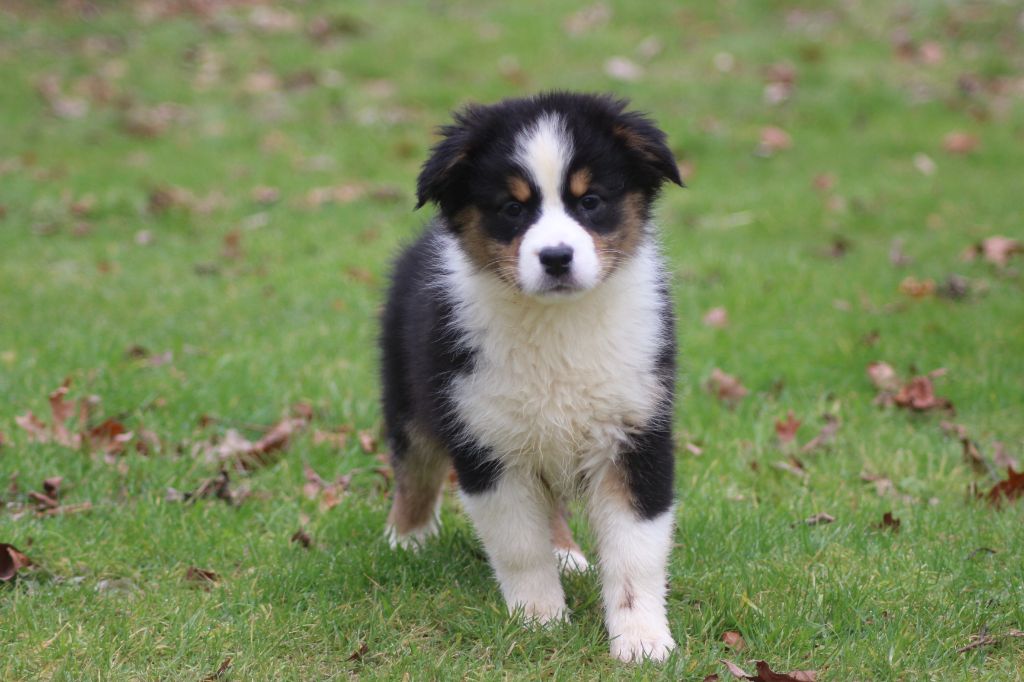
<point x="448" y="157"/>
<point x="649" y="144"/>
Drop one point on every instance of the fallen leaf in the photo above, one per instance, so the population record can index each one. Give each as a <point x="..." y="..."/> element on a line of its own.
<point x="821" y="518"/>
<point x="231" y="248"/>
<point x="367" y="442"/>
<point x="725" y="387"/>
<point x="997" y="250"/>
<point x="11" y="561"/>
<point x="825" y="436"/>
<point x="792" y="466"/>
<point x="889" y="522"/>
<point x="358" y="654"/>
<point x="734" y="640"/>
<point x="51" y="486"/>
<point x="919" y="394"/>
<point x="36" y="428"/>
<point x="766" y="674"/>
<point x="201" y="575"/>
<point x="984" y="639"/>
<point x="109" y="437"/>
<point x="1010" y="489"/>
<point x="219" y="674"/>
<point x="623" y="69"/>
<point x="786" y="430"/>
<point x="717" y="318"/>
<point x="915" y="288"/>
<point x="959" y="142"/>
<point x="734" y="670"/>
<point x="302" y="537"/>
<point x="773" y="140"/>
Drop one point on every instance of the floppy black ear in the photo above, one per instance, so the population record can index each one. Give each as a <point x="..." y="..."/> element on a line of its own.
<point x="447" y="157"/>
<point x="642" y="137"/>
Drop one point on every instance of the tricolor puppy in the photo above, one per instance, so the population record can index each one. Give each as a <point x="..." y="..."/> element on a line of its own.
<point x="528" y="340"/>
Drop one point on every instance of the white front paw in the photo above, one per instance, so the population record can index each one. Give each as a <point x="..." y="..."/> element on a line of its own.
<point x="542" y="612"/>
<point x="634" y="646"/>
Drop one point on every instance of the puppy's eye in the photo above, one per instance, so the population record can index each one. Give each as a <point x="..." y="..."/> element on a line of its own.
<point x="590" y="202"/>
<point x="512" y="209"/>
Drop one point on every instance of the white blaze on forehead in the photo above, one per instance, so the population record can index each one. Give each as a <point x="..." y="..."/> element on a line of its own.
<point x="544" y="150"/>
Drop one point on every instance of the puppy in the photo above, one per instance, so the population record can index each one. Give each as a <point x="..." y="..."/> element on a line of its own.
<point x="529" y="341"/>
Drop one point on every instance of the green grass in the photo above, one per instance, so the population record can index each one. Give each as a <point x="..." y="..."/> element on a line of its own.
<point x="294" y="319"/>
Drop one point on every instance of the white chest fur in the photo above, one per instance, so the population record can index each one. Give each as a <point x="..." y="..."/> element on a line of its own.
<point x="557" y="386"/>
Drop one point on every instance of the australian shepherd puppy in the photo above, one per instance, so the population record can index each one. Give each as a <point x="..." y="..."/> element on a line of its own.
<point x="529" y="341"/>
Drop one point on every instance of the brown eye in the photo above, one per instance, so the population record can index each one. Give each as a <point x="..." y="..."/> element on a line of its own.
<point x="590" y="202"/>
<point x="512" y="209"/>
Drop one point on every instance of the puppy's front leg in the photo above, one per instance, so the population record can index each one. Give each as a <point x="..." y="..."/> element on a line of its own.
<point x="512" y="520"/>
<point x="633" y="550"/>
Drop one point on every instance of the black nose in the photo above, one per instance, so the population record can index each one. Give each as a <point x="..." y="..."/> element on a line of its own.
<point x="556" y="259"/>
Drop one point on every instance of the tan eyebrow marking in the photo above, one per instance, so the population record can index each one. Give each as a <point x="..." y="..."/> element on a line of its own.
<point x="579" y="182"/>
<point x="519" y="188"/>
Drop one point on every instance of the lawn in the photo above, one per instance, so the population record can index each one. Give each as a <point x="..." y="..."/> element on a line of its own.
<point x="198" y="205"/>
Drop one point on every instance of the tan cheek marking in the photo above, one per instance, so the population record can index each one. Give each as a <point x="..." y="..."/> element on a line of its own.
<point x="519" y="189"/>
<point x="485" y="252"/>
<point x="621" y="243"/>
<point x="579" y="182"/>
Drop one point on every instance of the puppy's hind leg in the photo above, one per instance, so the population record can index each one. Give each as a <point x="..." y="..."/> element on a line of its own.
<point x="570" y="556"/>
<point x="421" y="466"/>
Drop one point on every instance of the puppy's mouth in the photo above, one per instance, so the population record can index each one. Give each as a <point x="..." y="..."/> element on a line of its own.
<point x="557" y="289"/>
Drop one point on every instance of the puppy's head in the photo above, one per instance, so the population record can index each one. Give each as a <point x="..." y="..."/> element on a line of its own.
<point x="549" y="193"/>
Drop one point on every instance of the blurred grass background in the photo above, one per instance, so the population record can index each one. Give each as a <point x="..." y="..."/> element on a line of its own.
<point x="220" y="186"/>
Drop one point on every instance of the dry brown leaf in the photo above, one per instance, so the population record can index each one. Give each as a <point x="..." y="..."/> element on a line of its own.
<point x="792" y="466"/>
<point x="919" y="394"/>
<point x="825" y="436"/>
<point x="302" y="537"/>
<point x="34" y="426"/>
<point x="203" y="576"/>
<point x="959" y="142"/>
<point x="358" y="654"/>
<point x="734" y="670"/>
<point x="734" y="640"/>
<point x="786" y="430"/>
<point x="108" y="437"/>
<point x="998" y="249"/>
<point x="1010" y="489"/>
<point x="725" y="387"/>
<point x="888" y="522"/>
<point x="821" y="518"/>
<point x="11" y="561"/>
<point x="717" y="318"/>
<point x="231" y="247"/>
<point x="915" y="288"/>
<point x="766" y="674"/>
<point x="367" y="442"/>
<point x="773" y="140"/>
<point x="219" y="674"/>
